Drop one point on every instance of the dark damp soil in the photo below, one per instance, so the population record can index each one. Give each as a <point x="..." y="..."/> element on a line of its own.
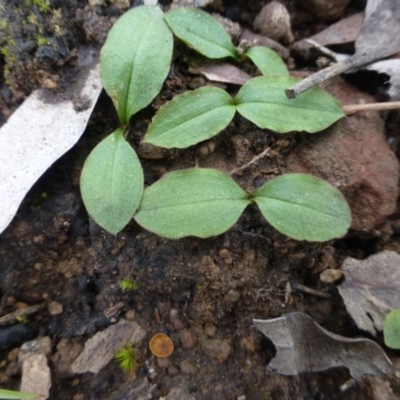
<point x="201" y="292"/>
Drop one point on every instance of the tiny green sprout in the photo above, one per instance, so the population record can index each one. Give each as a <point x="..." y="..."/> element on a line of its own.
<point x="42" y="41"/>
<point x="126" y="358"/>
<point x="22" y="319"/>
<point x="128" y="284"/>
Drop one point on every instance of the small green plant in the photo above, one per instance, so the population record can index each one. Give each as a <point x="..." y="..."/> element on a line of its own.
<point x="391" y="330"/>
<point x="134" y="62"/>
<point x="128" y="284"/>
<point x="126" y="358"/>
<point x="11" y="394"/>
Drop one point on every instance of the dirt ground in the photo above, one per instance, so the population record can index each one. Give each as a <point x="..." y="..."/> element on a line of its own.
<point x="203" y="293"/>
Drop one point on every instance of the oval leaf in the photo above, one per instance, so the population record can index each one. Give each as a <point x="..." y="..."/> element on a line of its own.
<point x="267" y="61"/>
<point x="112" y="182"/>
<point x="391" y="330"/>
<point x="136" y="59"/>
<point x="304" y="207"/>
<point x="191" y="118"/>
<point x="193" y="202"/>
<point x="263" y="101"/>
<point x="201" y="31"/>
<point x="11" y="394"/>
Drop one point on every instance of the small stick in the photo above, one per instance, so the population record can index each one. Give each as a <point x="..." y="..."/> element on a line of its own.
<point x="352" y="62"/>
<point x="301" y="288"/>
<point x="252" y="161"/>
<point x="322" y="49"/>
<point x="353" y="108"/>
<point x="11" y="318"/>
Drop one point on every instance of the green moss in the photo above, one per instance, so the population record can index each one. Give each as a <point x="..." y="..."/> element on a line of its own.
<point x="126" y="358"/>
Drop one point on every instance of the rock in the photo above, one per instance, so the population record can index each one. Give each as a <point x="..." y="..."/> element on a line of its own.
<point x="67" y="352"/>
<point x="188" y="339"/>
<point x="273" y="21"/>
<point x="188" y="368"/>
<point x="327" y="10"/>
<point x="175" y="320"/>
<point x="121" y="4"/>
<point x="354" y="157"/>
<point x="55" y="308"/>
<point x="231" y="298"/>
<point x="97" y="3"/>
<point x="101" y="348"/>
<point x="40" y="345"/>
<point x="330" y="275"/>
<point x="232" y="28"/>
<point x="218" y="349"/>
<point x="36" y="377"/>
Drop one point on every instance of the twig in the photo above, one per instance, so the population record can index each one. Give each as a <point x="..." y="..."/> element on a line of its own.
<point x="252" y="161"/>
<point x="301" y="288"/>
<point x="352" y="62"/>
<point x="322" y="49"/>
<point x="353" y="108"/>
<point x="11" y="318"/>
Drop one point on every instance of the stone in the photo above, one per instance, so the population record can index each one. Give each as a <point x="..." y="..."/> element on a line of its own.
<point x="188" y="368"/>
<point x="327" y="10"/>
<point x="101" y="348"/>
<point x="36" y="377"/>
<point x="66" y="353"/>
<point x="121" y="4"/>
<point x="42" y="345"/>
<point x="188" y="339"/>
<point x="353" y="156"/>
<point x="273" y="21"/>
<point x="330" y="275"/>
<point x="55" y="308"/>
<point x="218" y="349"/>
<point x="94" y="3"/>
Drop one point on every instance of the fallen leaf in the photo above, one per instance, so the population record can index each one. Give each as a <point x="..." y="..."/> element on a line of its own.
<point x="379" y="37"/>
<point x="42" y="129"/>
<point x="371" y="289"/>
<point x="304" y="346"/>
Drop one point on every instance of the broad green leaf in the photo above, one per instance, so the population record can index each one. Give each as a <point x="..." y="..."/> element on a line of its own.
<point x="391" y="330"/>
<point x="263" y="101"/>
<point x="191" y="118"/>
<point x="201" y="31"/>
<point x="136" y="59"/>
<point x="267" y="61"/>
<point x="304" y="207"/>
<point x="193" y="202"/>
<point x="112" y="182"/>
<point x="11" y="394"/>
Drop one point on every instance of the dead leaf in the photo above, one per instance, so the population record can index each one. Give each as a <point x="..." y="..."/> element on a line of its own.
<point x="379" y="37"/>
<point x="371" y="289"/>
<point x="304" y="346"/>
<point x="42" y="129"/>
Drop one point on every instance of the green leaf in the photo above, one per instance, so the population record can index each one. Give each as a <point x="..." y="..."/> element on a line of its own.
<point x="112" y="182"/>
<point x="191" y="118"/>
<point x="193" y="202"/>
<point x="267" y="61"/>
<point x="136" y="59"/>
<point x="263" y="101"/>
<point x="201" y="31"/>
<point x="304" y="207"/>
<point x="11" y="394"/>
<point x="391" y="330"/>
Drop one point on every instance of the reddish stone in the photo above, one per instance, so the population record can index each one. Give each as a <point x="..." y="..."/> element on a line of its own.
<point x="354" y="157"/>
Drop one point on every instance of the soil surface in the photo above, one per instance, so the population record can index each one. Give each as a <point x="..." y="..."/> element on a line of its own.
<point x="203" y="293"/>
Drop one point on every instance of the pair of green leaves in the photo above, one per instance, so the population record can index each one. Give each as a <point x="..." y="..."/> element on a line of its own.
<point x="205" y="202"/>
<point x="201" y="114"/>
<point x="134" y="64"/>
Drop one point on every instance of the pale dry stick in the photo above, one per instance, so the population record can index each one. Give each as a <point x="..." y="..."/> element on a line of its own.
<point x="348" y="64"/>
<point x="252" y="161"/>
<point x="322" y="49"/>
<point x="12" y="317"/>
<point x="298" y="287"/>
<point x="353" y="108"/>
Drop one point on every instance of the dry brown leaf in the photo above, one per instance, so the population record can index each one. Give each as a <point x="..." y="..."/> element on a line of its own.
<point x="371" y="289"/>
<point x="304" y="346"/>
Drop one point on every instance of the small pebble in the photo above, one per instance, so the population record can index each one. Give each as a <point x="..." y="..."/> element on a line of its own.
<point x="188" y="339"/>
<point x="331" y="275"/>
<point x="210" y="330"/>
<point x="55" y="308"/>
<point x="188" y="368"/>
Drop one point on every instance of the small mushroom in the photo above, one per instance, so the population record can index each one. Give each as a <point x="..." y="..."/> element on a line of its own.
<point x="161" y="345"/>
